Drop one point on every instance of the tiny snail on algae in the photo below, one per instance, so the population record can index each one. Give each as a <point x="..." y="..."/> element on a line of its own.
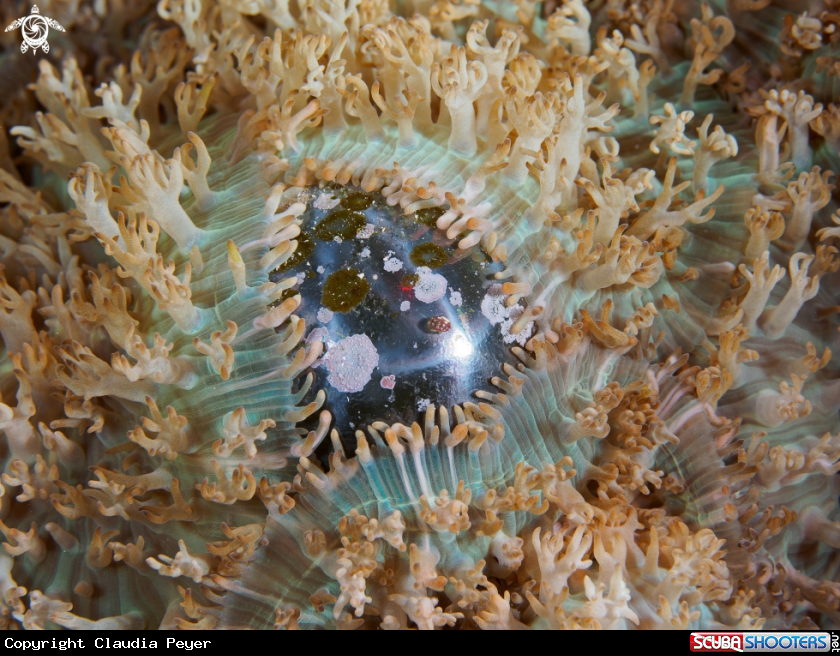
<point x="555" y="279"/>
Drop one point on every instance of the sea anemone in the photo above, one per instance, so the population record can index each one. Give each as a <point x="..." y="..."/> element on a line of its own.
<point x="555" y="279"/>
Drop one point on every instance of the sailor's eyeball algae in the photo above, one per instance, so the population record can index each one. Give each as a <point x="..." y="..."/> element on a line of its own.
<point x="422" y="314"/>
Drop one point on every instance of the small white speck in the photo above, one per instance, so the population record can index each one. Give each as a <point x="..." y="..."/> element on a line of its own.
<point x="375" y="277"/>
<point x="365" y="232"/>
<point x="430" y="287"/>
<point x="404" y="306"/>
<point x="422" y="404"/>
<point x="337" y="239"/>
<point x="392" y="265"/>
<point x="365" y="253"/>
<point x="351" y="363"/>
<point x="455" y="298"/>
<point x="324" y="315"/>
<point x="325" y="202"/>
<point x="320" y="269"/>
<point x="493" y="305"/>
<point x="494" y="308"/>
<point x="521" y="337"/>
<point x="415" y="344"/>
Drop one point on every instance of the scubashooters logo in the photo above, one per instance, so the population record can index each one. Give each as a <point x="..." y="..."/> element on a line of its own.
<point x="782" y="641"/>
<point x="35" y="29"/>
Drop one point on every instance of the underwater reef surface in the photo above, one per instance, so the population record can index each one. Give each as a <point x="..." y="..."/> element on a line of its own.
<point x="420" y="314"/>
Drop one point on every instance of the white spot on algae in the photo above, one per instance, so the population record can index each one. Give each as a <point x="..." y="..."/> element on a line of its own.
<point x="351" y="363"/>
<point x="365" y="232"/>
<point x="325" y="202"/>
<point x="430" y="287"/>
<point x="392" y="265"/>
<point x="404" y="306"/>
<point x="320" y="269"/>
<point x="455" y="298"/>
<point x="365" y="254"/>
<point x="520" y="337"/>
<point x="324" y="315"/>
<point x="493" y="307"/>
